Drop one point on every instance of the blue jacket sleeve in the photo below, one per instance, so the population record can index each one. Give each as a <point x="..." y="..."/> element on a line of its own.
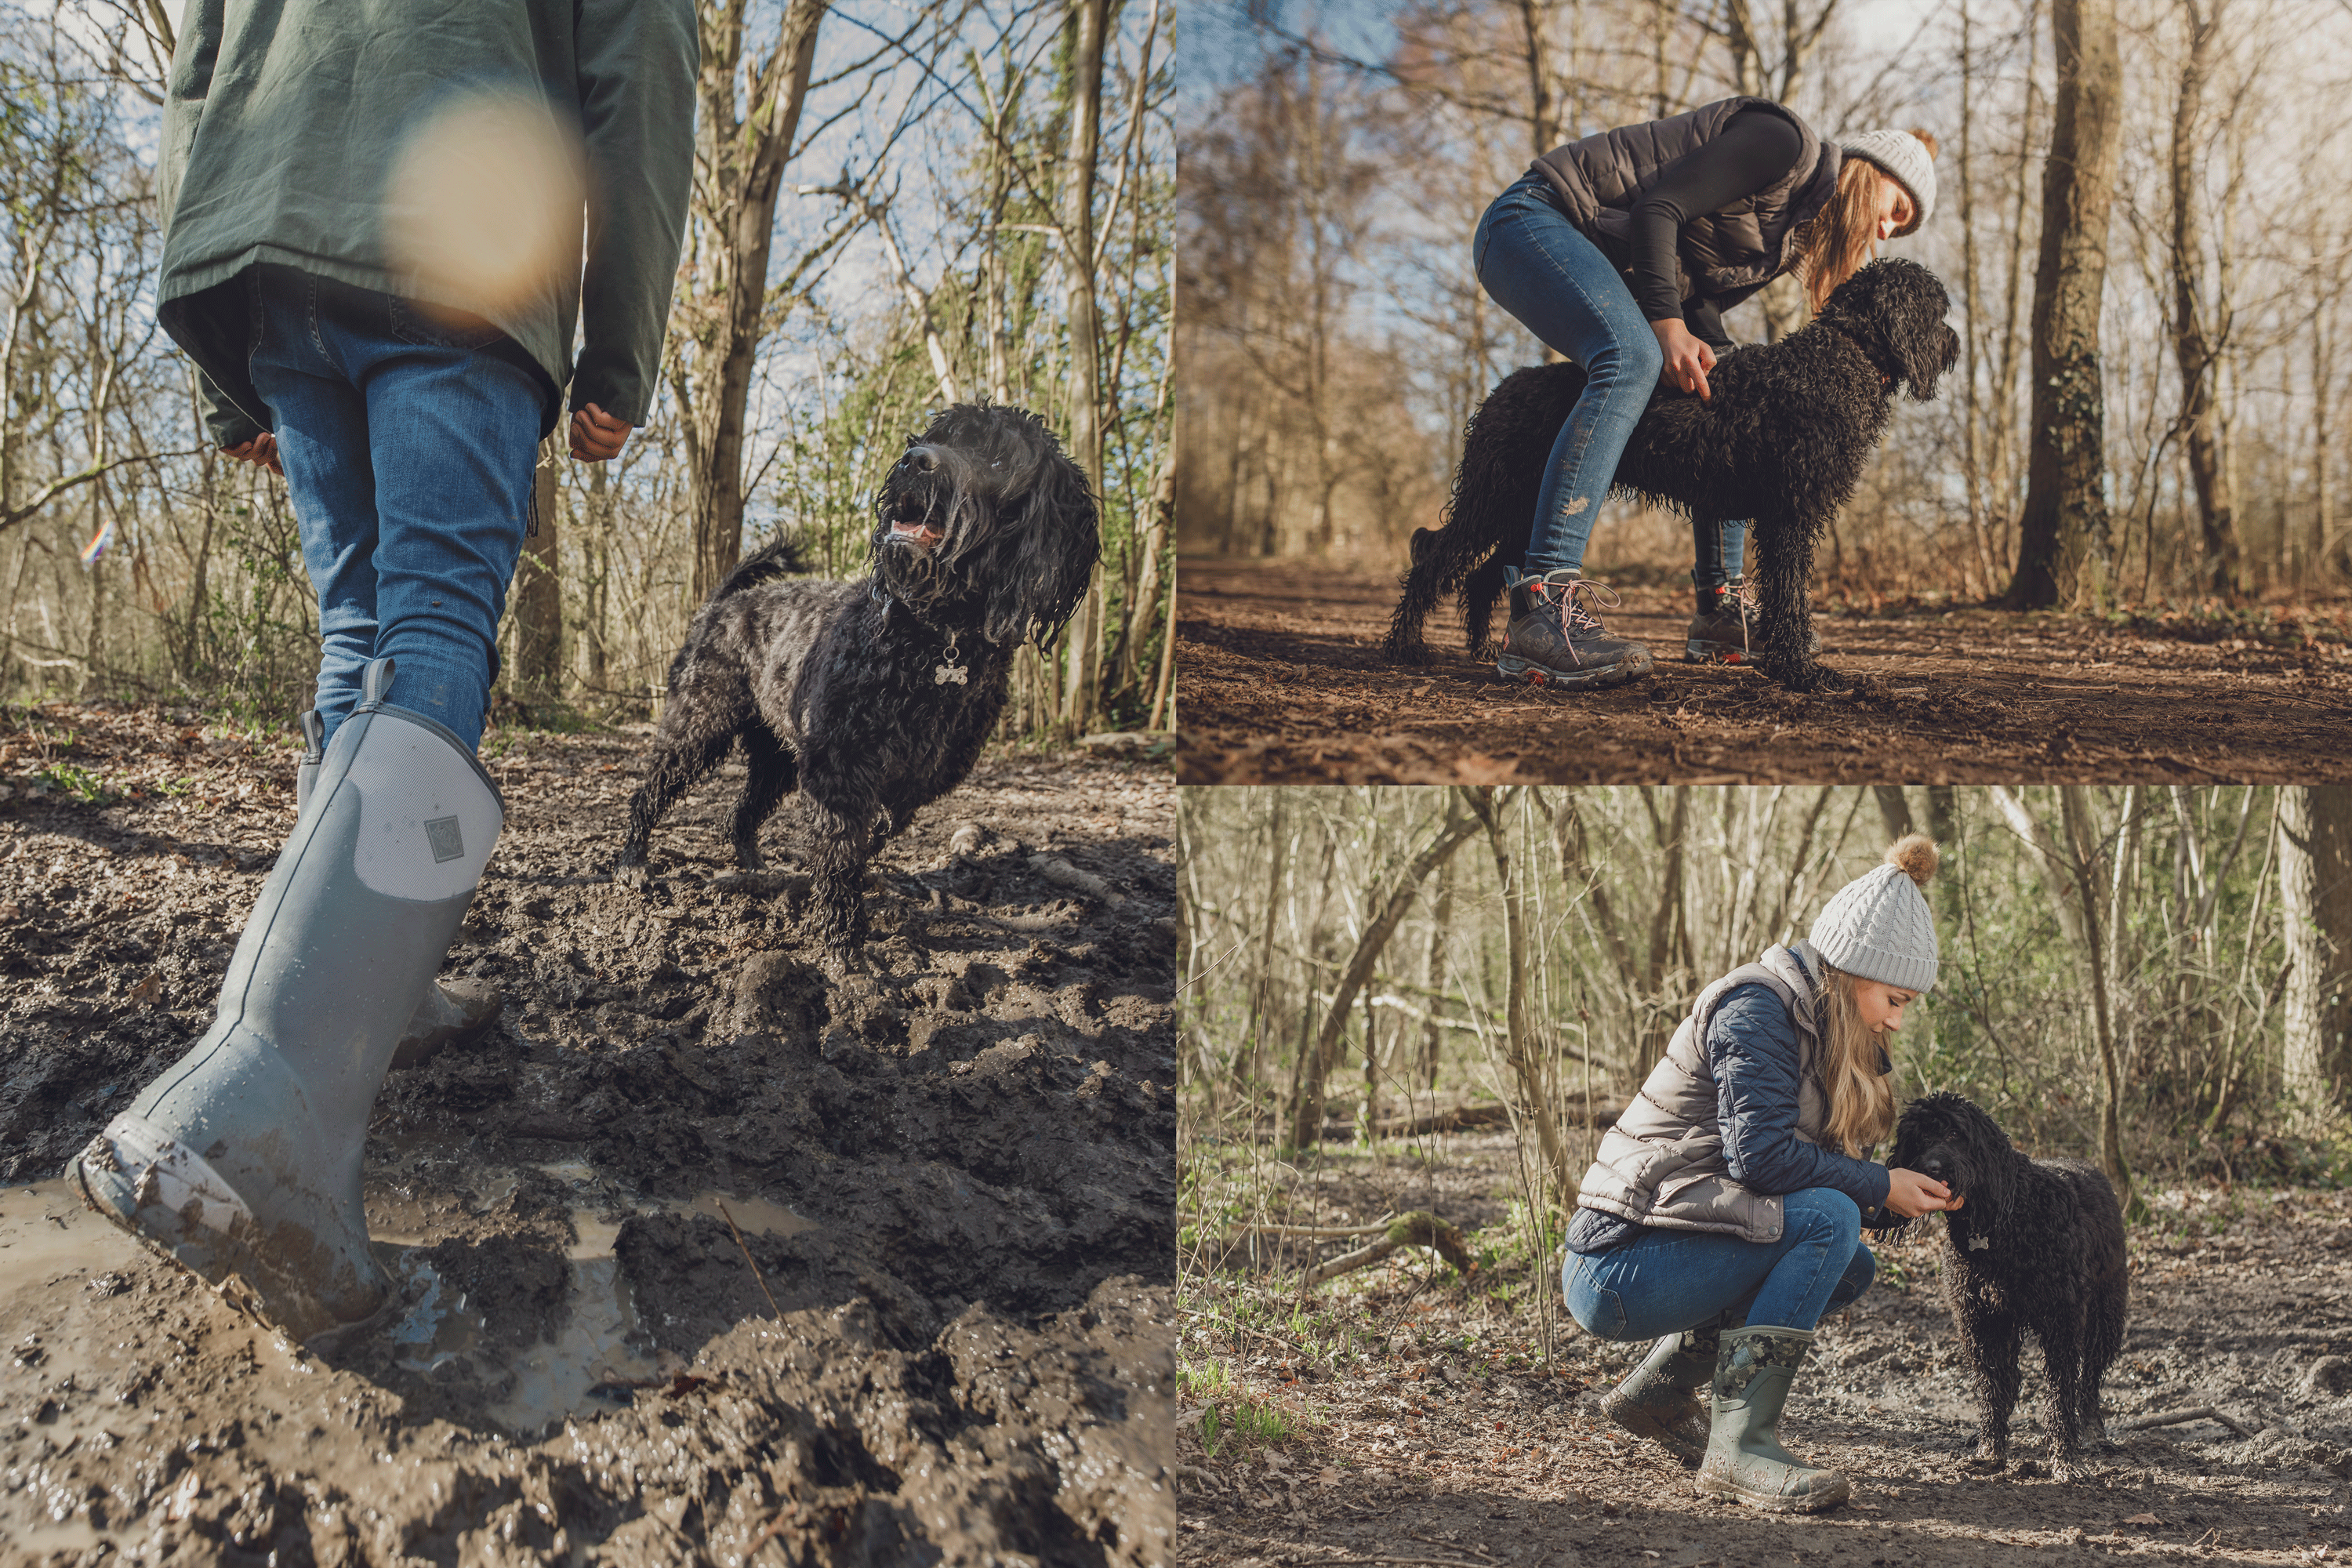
<point x="1751" y="1042"/>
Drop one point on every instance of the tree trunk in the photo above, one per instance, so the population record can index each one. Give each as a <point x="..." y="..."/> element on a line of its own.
<point x="1441" y="918"/>
<point x="1081" y="699"/>
<point x="742" y="144"/>
<point x="538" y="597"/>
<point x="2065" y="553"/>
<point x="1315" y="1066"/>
<point x="2196" y="344"/>
<point x="2315" y="890"/>
<point x="1519" y="1041"/>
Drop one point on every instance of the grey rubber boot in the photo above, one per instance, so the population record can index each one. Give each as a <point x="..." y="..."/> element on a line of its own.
<point x="451" y="1012"/>
<point x="1659" y="1398"/>
<point x="1745" y="1461"/>
<point x="243" y="1159"/>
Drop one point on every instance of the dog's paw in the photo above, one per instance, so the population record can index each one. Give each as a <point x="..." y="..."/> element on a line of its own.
<point x="845" y="965"/>
<point x="630" y="874"/>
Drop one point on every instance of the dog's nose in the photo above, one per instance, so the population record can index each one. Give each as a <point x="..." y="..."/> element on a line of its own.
<point x="1932" y="1167"/>
<point x="922" y="459"/>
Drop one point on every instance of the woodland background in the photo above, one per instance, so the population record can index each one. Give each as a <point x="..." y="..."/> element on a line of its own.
<point x="2159" y="979"/>
<point x="895" y="207"/>
<point x="2172" y="427"/>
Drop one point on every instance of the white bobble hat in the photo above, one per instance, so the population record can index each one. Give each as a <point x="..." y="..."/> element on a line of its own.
<point x="1908" y="159"/>
<point x="1877" y="926"/>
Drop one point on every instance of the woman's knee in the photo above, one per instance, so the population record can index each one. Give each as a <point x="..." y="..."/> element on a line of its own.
<point x="1823" y="1215"/>
<point x="1632" y="359"/>
<point x="1598" y="1310"/>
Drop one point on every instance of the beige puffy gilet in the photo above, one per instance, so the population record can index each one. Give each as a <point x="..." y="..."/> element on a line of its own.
<point x="1663" y="1163"/>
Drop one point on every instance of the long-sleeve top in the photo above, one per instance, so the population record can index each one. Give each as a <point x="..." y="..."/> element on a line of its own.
<point x="1754" y="149"/>
<point x="284" y="130"/>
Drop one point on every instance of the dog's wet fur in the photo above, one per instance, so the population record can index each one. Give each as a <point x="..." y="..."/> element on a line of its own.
<point x="1782" y="439"/>
<point x="2036" y="1244"/>
<point x="985" y="534"/>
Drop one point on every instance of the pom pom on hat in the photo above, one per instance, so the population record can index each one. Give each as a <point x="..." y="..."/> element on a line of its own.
<point x="1908" y="157"/>
<point x="1878" y="926"/>
<point x="1915" y="856"/>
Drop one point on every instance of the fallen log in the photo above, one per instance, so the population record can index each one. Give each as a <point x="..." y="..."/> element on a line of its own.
<point x="1419" y="1228"/>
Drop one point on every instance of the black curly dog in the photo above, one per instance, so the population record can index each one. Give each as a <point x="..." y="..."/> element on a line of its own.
<point x="2035" y="1245"/>
<point x="1782" y="439"/>
<point x="873" y="697"/>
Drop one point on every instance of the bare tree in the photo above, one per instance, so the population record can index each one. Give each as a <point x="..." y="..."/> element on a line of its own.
<point x="2316" y="894"/>
<point x="2065" y="551"/>
<point x="2196" y="338"/>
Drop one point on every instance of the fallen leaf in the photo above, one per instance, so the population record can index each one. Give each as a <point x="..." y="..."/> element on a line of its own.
<point x="148" y="992"/>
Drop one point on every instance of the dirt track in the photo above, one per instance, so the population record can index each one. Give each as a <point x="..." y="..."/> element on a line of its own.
<point x="1445" y="1444"/>
<point x="955" y="1178"/>
<point x="1282" y="681"/>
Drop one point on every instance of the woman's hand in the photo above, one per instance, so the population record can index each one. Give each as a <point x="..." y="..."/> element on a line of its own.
<point x="597" y="436"/>
<point x="261" y="451"/>
<point x="1911" y="1195"/>
<point x="1687" y="358"/>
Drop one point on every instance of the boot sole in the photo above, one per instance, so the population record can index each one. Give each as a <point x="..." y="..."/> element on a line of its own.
<point x="1513" y="669"/>
<point x="174" y="1181"/>
<point x="1775" y="1502"/>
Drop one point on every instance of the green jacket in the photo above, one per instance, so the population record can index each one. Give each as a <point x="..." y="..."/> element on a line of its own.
<point x="284" y="124"/>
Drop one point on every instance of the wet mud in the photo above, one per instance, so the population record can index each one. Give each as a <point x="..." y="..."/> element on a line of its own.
<point x="1284" y="682"/>
<point x="702" y="1256"/>
<point x="1450" y="1442"/>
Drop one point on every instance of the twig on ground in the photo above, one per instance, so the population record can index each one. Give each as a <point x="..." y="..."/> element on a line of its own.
<point x="1234" y="1234"/>
<point x="2181" y="1417"/>
<point x="1419" y="1228"/>
<point x="757" y="1272"/>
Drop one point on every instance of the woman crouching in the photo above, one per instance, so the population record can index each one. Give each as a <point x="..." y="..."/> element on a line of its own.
<point x="1724" y="1215"/>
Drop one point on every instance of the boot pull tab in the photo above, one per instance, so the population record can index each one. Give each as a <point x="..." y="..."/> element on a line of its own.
<point x="375" y="681"/>
<point x="314" y="736"/>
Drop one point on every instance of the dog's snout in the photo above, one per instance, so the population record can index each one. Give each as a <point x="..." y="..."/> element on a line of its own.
<point x="1932" y="1167"/>
<point x="923" y="459"/>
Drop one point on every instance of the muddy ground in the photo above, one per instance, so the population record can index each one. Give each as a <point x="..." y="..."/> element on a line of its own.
<point x="943" y="1334"/>
<point x="1282" y="680"/>
<point x="1447" y="1443"/>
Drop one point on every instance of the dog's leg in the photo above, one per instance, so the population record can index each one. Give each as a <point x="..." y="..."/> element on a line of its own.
<point x="1417" y="595"/>
<point x="1480" y="589"/>
<point x="677" y="766"/>
<point x="773" y="773"/>
<point x="1991" y="1341"/>
<point x="2101" y="1344"/>
<point x="839" y="844"/>
<point x="1787" y="540"/>
<point x="2061" y="1337"/>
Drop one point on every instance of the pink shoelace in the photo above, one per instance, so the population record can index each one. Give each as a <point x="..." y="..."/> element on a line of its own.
<point x="1573" y="616"/>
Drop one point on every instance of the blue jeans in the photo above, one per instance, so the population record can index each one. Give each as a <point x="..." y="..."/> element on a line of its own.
<point x="408" y="452"/>
<point x="1669" y="1281"/>
<point x="1539" y="267"/>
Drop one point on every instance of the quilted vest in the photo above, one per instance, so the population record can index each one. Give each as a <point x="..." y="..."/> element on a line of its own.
<point x="1663" y="1163"/>
<point x="1738" y="248"/>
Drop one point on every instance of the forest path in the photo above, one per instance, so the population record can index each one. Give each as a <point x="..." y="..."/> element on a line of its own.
<point x="1281" y="681"/>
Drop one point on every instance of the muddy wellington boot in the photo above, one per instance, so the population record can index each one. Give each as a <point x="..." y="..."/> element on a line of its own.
<point x="1659" y="1398"/>
<point x="1745" y="1461"/>
<point x="243" y="1159"/>
<point x="1553" y="640"/>
<point x="451" y="1012"/>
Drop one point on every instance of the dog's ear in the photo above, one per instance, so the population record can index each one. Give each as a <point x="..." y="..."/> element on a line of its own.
<point x="1053" y="541"/>
<point x="1923" y="346"/>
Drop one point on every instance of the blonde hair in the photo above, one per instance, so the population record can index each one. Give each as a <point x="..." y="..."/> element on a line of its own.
<point x="1861" y="1098"/>
<point x="1838" y="241"/>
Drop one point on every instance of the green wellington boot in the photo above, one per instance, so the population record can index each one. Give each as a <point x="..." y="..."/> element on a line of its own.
<point x="243" y="1159"/>
<point x="1659" y="1398"/>
<point x="451" y="1014"/>
<point x="1745" y="1461"/>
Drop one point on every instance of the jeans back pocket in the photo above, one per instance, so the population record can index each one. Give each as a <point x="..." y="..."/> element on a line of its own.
<point x="440" y="326"/>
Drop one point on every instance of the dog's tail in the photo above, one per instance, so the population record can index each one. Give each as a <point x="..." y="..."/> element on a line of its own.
<point x="781" y="557"/>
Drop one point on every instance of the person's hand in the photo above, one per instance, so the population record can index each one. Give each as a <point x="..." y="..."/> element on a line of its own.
<point x="261" y="452"/>
<point x="1687" y="358"/>
<point x="597" y="436"/>
<point x="1911" y="1195"/>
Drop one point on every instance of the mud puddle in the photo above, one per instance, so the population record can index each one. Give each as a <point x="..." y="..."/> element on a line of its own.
<point x="937" y="1328"/>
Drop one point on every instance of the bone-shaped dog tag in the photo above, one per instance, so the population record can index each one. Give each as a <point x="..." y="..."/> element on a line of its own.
<point x="946" y="672"/>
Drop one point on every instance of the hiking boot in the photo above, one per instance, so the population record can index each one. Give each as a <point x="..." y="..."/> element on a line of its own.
<point x="1553" y="640"/>
<point x="1659" y="1398"/>
<point x="1745" y="1461"/>
<point x="1729" y="626"/>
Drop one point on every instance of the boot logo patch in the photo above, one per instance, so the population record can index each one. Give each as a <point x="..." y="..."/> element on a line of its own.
<point x="442" y="834"/>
